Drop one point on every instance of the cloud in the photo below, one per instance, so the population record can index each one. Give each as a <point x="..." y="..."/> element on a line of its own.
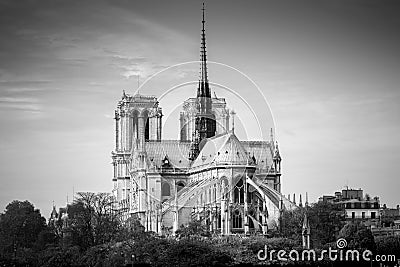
<point x="23" y="89"/>
<point x="27" y="104"/>
<point x="5" y="99"/>
<point x="135" y="66"/>
<point x="129" y="59"/>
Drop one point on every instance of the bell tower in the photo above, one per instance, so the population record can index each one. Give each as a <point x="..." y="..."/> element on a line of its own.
<point x="138" y="120"/>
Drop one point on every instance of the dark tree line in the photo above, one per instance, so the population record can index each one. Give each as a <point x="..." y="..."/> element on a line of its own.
<point x="25" y="238"/>
<point x="92" y="235"/>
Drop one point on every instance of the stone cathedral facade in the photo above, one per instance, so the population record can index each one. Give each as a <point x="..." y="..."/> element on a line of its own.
<point x="230" y="185"/>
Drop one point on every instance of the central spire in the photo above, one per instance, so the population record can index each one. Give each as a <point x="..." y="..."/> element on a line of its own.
<point x="205" y="125"/>
<point x="204" y="89"/>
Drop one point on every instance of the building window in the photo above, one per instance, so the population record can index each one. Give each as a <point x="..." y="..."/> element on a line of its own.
<point x="238" y="194"/>
<point x="373" y="215"/>
<point x="363" y="215"/>
<point x="180" y="185"/>
<point x="353" y="215"/>
<point x="237" y="219"/>
<point x="166" y="190"/>
<point x="147" y="130"/>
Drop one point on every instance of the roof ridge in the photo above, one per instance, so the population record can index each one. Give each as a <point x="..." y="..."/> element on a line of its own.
<point x="168" y="141"/>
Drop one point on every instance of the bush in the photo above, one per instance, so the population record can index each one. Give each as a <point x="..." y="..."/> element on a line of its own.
<point x="388" y="245"/>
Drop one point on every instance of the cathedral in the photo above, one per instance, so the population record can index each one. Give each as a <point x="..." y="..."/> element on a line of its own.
<point x="209" y="175"/>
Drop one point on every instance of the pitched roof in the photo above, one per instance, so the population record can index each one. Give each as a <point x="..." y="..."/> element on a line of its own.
<point x="223" y="149"/>
<point x="176" y="151"/>
<point x="262" y="151"/>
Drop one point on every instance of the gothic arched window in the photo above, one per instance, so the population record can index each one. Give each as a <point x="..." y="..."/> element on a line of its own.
<point x="166" y="190"/>
<point x="215" y="193"/>
<point x="147" y="130"/>
<point x="237" y="219"/>
<point x="238" y="193"/>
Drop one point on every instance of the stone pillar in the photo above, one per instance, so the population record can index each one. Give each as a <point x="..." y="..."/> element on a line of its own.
<point x="228" y="220"/>
<point x="223" y="215"/>
<point x="149" y="207"/>
<point x="227" y="121"/>
<point x="182" y="124"/>
<point x="117" y="118"/>
<point x="188" y="127"/>
<point x="198" y="213"/>
<point x="122" y="124"/>
<point x="176" y="217"/>
<point x="159" y="219"/>
<point x="215" y="218"/>
<point x="152" y="131"/>
<point x="141" y="194"/>
<point x="246" y="209"/>
<point x="192" y="126"/>
<point x="278" y="178"/>
<point x="159" y="127"/>
<point x="265" y="224"/>
<point x="221" y="124"/>
<point x="130" y="132"/>
<point x="126" y="130"/>
<point x="141" y="137"/>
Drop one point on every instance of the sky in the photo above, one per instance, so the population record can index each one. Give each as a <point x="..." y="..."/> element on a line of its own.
<point x="327" y="72"/>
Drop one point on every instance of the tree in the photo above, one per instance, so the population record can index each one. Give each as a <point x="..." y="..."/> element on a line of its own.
<point x="291" y="223"/>
<point x="194" y="229"/>
<point x="358" y="236"/>
<point x="20" y="226"/>
<point x="388" y="245"/>
<point x="326" y="219"/>
<point x="91" y="219"/>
